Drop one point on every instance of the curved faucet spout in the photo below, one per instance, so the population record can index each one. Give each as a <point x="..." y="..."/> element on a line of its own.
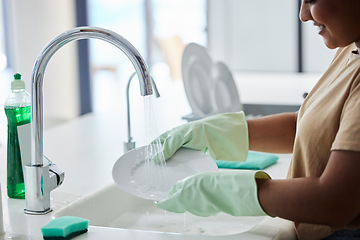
<point x="38" y="202"/>
<point x="43" y="59"/>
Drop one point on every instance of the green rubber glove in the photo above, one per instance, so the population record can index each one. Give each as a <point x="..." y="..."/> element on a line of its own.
<point x="206" y="194"/>
<point x="222" y="136"/>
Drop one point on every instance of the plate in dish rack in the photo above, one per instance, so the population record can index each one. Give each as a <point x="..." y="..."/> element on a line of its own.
<point x="137" y="175"/>
<point x="196" y="70"/>
<point x="224" y="94"/>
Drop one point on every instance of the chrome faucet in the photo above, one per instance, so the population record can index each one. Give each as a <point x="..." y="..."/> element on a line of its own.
<point x="130" y="144"/>
<point x="42" y="176"/>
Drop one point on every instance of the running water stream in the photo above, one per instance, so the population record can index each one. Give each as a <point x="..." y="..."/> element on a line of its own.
<point x="156" y="171"/>
<point x="152" y="133"/>
<point x="151" y="179"/>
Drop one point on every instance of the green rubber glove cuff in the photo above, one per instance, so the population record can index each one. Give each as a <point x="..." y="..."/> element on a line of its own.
<point x="223" y="136"/>
<point x="206" y="194"/>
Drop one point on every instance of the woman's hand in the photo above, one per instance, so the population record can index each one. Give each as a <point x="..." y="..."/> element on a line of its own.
<point x="206" y="194"/>
<point x="223" y="136"/>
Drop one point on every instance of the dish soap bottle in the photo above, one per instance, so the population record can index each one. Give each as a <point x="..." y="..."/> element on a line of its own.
<point x="18" y="113"/>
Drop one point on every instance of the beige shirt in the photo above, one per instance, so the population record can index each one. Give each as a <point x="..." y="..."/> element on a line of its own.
<point x="329" y="119"/>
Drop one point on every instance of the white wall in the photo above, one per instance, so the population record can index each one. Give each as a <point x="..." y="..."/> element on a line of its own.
<point x="32" y="25"/>
<point x="261" y="36"/>
<point x="216" y="30"/>
<point x="254" y="35"/>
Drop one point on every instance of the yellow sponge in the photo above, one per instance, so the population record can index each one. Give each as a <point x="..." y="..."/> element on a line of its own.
<point x="64" y="228"/>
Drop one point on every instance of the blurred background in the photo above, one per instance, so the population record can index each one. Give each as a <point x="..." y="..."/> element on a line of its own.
<point x="254" y="38"/>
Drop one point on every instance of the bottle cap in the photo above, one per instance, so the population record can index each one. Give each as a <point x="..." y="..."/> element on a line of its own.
<point x="17" y="84"/>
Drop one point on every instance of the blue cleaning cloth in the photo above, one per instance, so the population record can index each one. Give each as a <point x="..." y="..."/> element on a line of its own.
<point x="254" y="161"/>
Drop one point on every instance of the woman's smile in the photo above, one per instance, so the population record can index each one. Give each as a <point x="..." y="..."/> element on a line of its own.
<point x="321" y="28"/>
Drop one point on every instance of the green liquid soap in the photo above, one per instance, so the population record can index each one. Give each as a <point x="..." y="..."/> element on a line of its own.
<point x="16" y="116"/>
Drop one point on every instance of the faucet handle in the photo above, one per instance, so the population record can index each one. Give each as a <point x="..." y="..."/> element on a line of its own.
<point x="55" y="171"/>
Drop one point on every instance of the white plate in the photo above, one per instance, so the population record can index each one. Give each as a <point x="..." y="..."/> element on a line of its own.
<point x="224" y="94"/>
<point x="196" y="70"/>
<point x="138" y="176"/>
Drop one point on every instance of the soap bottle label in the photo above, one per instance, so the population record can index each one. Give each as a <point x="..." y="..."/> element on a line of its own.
<point x="24" y="133"/>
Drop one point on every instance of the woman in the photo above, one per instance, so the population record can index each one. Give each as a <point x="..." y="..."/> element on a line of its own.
<point x="322" y="192"/>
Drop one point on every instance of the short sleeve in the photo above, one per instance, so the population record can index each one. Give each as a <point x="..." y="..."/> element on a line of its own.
<point x="348" y="135"/>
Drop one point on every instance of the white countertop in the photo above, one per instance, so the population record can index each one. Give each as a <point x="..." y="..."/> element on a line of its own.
<point x="86" y="149"/>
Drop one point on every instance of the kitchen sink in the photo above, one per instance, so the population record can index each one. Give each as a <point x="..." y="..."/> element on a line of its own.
<point x="111" y="207"/>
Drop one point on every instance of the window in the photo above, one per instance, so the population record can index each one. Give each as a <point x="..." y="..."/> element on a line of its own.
<point x="3" y="57"/>
<point x="159" y="29"/>
<point x="5" y="75"/>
